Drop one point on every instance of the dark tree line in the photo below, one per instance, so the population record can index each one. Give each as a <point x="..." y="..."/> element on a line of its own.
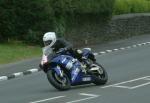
<point x="27" y="20"/>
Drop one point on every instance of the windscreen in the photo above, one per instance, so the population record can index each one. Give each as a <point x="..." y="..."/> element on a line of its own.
<point x="47" y="50"/>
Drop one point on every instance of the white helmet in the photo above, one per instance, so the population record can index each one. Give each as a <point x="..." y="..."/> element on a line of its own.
<point x="49" y="39"/>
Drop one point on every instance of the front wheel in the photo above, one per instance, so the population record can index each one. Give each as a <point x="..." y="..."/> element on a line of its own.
<point x="58" y="82"/>
<point x="101" y="76"/>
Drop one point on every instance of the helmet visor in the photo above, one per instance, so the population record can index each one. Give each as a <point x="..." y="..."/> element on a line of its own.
<point x="48" y="42"/>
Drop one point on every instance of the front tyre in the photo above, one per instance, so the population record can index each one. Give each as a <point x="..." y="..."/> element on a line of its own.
<point x="102" y="77"/>
<point x="58" y="82"/>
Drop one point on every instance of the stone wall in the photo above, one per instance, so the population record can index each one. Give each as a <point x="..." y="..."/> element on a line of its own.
<point x="92" y="31"/>
<point x="129" y="25"/>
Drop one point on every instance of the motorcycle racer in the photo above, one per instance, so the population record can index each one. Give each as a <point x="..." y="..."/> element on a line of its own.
<point x="60" y="44"/>
<point x="66" y="67"/>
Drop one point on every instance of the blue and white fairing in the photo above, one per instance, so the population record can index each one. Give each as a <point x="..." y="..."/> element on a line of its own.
<point x="60" y="61"/>
<point x="71" y="64"/>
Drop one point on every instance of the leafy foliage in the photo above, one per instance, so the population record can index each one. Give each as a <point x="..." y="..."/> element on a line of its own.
<point x="131" y="6"/>
<point x="84" y="6"/>
<point x="19" y="17"/>
<point x="28" y="19"/>
<point x="69" y="12"/>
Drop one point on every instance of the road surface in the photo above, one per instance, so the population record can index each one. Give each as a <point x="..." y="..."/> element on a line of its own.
<point x="129" y="82"/>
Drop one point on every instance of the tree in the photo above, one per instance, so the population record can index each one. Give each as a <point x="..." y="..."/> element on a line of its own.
<point x="25" y="19"/>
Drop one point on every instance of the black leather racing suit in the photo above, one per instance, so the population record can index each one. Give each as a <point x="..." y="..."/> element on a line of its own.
<point x="61" y="43"/>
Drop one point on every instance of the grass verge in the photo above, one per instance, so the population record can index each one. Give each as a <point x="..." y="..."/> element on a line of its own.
<point x="12" y="52"/>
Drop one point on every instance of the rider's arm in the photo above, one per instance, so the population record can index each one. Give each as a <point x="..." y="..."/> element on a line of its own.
<point x="67" y="45"/>
<point x="61" y="43"/>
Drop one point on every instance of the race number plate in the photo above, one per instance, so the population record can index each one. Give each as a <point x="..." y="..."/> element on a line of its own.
<point x="86" y="79"/>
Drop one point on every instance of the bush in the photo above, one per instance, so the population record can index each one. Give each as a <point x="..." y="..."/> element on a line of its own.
<point x="131" y="6"/>
<point x="68" y="12"/>
<point x="33" y="37"/>
<point x="83" y="6"/>
<point x="17" y="17"/>
<point x="28" y="20"/>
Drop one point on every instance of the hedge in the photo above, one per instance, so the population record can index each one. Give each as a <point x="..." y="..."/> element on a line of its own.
<point x="20" y="18"/>
<point x="131" y="6"/>
<point x="68" y="12"/>
<point x="28" y="19"/>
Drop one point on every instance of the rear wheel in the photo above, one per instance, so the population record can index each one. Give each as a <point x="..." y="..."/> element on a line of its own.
<point x="60" y="83"/>
<point x="101" y="76"/>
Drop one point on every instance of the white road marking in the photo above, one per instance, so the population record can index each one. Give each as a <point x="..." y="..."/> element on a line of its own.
<point x="140" y="85"/>
<point x="146" y="78"/>
<point x="134" y="87"/>
<point x="125" y="82"/>
<point x="91" y="96"/>
<point x="81" y="100"/>
<point x="39" y="101"/>
<point x="144" y="43"/>
<point x="95" y="54"/>
<point x="122" y="48"/>
<point x="33" y="70"/>
<point x="126" y="87"/>
<point x="18" y="74"/>
<point x="139" y="44"/>
<point x="148" y="42"/>
<point x="128" y="47"/>
<point x="109" y="50"/>
<point x="3" y="78"/>
<point x="134" y="45"/>
<point x="102" y="52"/>
<point x="115" y="49"/>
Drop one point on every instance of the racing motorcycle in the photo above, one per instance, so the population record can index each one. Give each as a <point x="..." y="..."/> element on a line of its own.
<point x="56" y="67"/>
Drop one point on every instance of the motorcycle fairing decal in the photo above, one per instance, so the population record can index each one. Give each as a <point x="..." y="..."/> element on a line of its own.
<point x="58" y="71"/>
<point x="74" y="74"/>
<point x="69" y="65"/>
<point x="71" y="62"/>
<point x="63" y="60"/>
<point x="86" y="79"/>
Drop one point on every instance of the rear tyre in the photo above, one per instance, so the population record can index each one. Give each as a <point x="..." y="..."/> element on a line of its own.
<point x="57" y="82"/>
<point x="101" y="79"/>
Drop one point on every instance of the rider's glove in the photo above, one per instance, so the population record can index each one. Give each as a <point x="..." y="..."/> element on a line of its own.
<point x="62" y="50"/>
<point x="84" y="58"/>
<point x="79" y="51"/>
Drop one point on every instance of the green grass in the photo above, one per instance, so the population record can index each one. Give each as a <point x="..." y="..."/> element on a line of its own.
<point x="131" y="6"/>
<point x="16" y="52"/>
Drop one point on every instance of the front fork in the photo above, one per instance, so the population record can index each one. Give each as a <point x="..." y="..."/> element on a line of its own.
<point x="58" y="71"/>
<point x="74" y="73"/>
<point x="60" y="75"/>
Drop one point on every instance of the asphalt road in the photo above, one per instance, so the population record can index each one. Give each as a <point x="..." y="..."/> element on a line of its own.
<point x="129" y="82"/>
<point x="24" y="65"/>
